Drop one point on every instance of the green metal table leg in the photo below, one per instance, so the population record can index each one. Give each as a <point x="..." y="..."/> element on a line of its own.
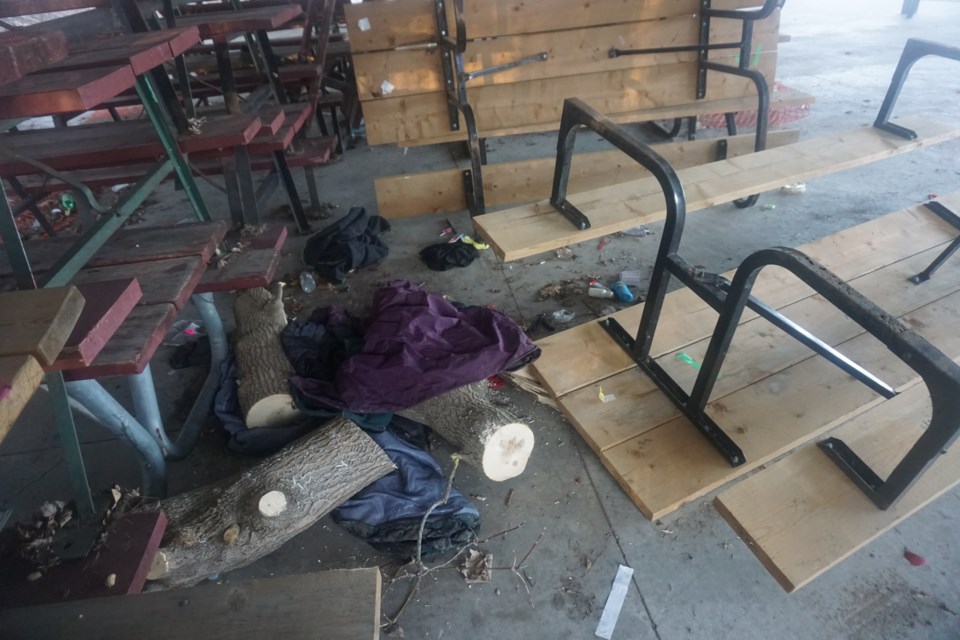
<point x="149" y="99"/>
<point x="72" y="261"/>
<point x="71" y="445"/>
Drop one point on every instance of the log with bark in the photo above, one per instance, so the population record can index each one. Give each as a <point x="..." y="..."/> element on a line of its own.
<point x="489" y="437"/>
<point x="263" y="369"/>
<point x="231" y="523"/>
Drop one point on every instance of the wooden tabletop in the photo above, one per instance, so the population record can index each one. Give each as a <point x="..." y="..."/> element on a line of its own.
<point x="220" y="24"/>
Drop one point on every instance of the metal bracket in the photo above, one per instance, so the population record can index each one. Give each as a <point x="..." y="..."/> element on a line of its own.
<point x="730" y="298"/>
<point x="455" y="80"/>
<point x="953" y="219"/>
<point x="912" y="51"/>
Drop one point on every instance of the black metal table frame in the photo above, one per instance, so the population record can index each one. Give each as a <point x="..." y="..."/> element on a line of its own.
<point x="455" y="80"/>
<point x="939" y="373"/>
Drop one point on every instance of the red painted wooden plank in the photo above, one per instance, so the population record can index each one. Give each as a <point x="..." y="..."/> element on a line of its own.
<point x="271" y="119"/>
<point x="130" y="349"/>
<point x="171" y="280"/>
<point x="127" y="553"/>
<point x="222" y="132"/>
<point x="136" y="244"/>
<point x="108" y="305"/>
<point x="215" y="24"/>
<point x="23" y="52"/>
<point x="140" y="57"/>
<point x="252" y="268"/>
<point x="178" y="39"/>
<point x="50" y="93"/>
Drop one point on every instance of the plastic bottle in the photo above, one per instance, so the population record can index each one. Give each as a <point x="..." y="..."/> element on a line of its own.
<point x="600" y="292"/>
<point x="308" y="283"/>
<point x="622" y="292"/>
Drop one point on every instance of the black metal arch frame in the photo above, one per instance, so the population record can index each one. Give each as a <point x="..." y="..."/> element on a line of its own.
<point x="940" y="374"/>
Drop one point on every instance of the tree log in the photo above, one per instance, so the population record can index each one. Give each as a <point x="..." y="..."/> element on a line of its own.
<point x="231" y="523"/>
<point x="263" y="369"/>
<point x="488" y="436"/>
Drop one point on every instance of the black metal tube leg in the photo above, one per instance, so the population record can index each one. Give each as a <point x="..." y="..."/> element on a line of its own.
<point x="280" y="160"/>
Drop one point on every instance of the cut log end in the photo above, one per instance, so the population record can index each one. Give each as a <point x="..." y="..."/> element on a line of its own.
<point x="507" y="451"/>
<point x="276" y="410"/>
<point x="272" y="504"/>
<point x="159" y="567"/>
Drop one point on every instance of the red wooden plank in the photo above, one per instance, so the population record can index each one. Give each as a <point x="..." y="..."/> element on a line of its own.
<point x="314" y="152"/>
<point x="271" y="119"/>
<point x="221" y="132"/>
<point x="50" y="93"/>
<point x="23" y="52"/>
<point x="108" y="305"/>
<point x="130" y="349"/>
<point x="252" y="268"/>
<point x="178" y="39"/>
<point x="140" y="57"/>
<point x="219" y="24"/>
<point x="127" y="553"/>
<point x="294" y="117"/>
<point x="162" y="281"/>
<point x="137" y="244"/>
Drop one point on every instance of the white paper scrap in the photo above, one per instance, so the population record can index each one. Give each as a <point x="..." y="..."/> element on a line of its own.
<point x="386" y="87"/>
<point x="364" y="24"/>
<point x="611" y="610"/>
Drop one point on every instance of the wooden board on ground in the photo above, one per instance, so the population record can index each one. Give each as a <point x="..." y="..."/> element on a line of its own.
<point x="762" y="396"/>
<point x="788" y="514"/>
<point x="38" y="322"/>
<point x="850" y="253"/>
<point x="334" y="605"/>
<point x="19" y="378"/>
<point x="532" y="229"/>
<point x="530" y="180"/>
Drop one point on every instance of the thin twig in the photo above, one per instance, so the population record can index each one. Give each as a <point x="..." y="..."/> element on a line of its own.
<point x="423" y="523"/>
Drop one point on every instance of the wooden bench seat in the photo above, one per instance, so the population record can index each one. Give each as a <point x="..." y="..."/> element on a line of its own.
<point x="255" y="266"/>
<point x="113" y="143"/>
<point x="76" y="90"/>
<point x="23" y="52"/>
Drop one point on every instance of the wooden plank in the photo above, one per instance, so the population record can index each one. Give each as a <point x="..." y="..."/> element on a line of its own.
<point x="141" y="58"/>
<point x="252" y="268"/>
<point x="220" y="24"/>
<point x="781" y="98"/>
<point x="671" y="465"/>
<point x="850" y="253"/>
<point x="15" y="8"/>
<point x="424" y="117"/>
<point x="408" y="22"/>
<point x="172" y="280"/>
<point x="758" y="351"/>
<point x="20" y="376"/>
<point x="178" y="39"/>
<point x="127" y="553"/>
<point x="333" y="605"/>
<point x="23" y="52"/>
<point x="788" y="514"/>
<point x="68" y="91"/>
<point x="38" y="322"/>
<point x="131" y="347"/>
<point x="532" y="229"/>
<point x="107" y="305"/>
<point x="129" y="245"/>
<point x="570" y="53"/>
<point x="513" y="183"/>
<point x="112" y="143"/>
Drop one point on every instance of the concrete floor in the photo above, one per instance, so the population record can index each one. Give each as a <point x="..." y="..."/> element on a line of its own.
<point x="694" y="578"/>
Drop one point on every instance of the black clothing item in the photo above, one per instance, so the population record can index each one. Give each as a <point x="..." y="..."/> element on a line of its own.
<point x="448" y="255"/>
<point x="352" y="242"/>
